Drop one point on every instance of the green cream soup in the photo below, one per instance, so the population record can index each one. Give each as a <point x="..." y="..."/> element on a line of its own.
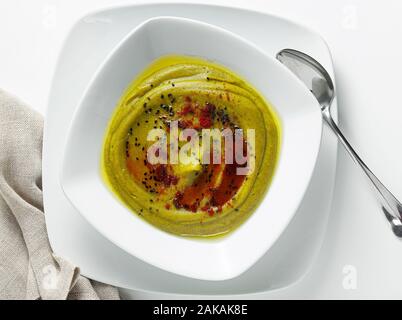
<point x="192" y="198"/>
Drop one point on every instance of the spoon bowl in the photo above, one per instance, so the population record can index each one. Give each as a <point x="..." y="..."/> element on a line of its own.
<point x="312" y="73"/>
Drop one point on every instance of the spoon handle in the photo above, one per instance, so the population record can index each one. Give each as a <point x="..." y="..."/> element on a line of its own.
<point x="393" y="211"/>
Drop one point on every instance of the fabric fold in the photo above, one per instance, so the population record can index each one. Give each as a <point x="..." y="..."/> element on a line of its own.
<point x="28" y="268"/>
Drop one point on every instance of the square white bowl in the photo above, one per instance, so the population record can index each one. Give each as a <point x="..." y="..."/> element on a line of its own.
<point x="229" y="256"/>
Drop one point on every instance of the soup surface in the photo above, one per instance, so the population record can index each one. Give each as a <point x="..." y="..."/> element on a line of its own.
<point x="191" y="147"/>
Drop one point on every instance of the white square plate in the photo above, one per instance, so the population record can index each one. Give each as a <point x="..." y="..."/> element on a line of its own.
<point x="93" y="38"/>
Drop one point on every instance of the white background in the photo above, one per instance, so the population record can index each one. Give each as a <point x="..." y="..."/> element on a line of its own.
<point x="365" y="38"/>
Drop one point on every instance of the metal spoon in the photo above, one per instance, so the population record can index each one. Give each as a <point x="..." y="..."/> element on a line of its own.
<point x="317" y="79"/>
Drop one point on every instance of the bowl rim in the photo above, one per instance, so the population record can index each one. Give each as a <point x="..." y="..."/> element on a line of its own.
<point x="109" y="235"/>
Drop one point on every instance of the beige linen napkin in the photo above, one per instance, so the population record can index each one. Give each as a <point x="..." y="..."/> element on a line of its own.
<point x="28" y="268"/>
